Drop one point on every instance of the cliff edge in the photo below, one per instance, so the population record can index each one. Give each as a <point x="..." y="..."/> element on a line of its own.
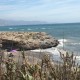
<point x="26" y="40"/>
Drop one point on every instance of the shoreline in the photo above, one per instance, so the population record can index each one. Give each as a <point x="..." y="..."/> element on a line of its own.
<point x="53" y="51"/>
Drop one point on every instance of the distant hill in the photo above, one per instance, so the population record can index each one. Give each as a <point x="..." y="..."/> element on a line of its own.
<point x="12" y="22"/>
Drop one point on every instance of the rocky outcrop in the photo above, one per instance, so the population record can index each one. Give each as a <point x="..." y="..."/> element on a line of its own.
<point x="26" y="40"/>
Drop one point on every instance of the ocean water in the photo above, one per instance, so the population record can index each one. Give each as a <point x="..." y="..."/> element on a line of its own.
<point x="67" y="34"/>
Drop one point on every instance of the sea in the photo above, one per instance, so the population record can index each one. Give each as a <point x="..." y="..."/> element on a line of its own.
<point x="68" y="34"/>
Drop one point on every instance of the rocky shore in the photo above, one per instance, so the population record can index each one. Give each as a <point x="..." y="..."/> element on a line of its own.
<point x="26" y="40"/>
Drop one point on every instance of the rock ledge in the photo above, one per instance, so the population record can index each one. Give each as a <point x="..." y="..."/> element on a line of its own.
<point x="26" y="40"/>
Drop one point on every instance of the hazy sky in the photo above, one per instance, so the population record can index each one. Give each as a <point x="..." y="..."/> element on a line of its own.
<point x="41" y="10"/>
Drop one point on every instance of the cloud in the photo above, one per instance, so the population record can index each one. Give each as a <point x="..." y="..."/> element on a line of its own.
<point x="44" y="10"/>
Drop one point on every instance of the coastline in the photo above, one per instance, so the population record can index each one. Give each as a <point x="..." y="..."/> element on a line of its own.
<point x="27" y="40"/>
<point x="52" y="50"/>
<point x="41" y="59"/>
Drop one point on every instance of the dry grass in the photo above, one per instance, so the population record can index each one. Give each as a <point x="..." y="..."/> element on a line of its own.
<point x="45" y="70"/>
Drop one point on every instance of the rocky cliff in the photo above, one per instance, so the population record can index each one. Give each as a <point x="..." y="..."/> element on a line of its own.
<point x="26" y="40"/>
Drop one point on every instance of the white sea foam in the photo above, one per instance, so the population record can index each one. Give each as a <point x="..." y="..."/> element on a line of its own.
<point x="77" y="57"/>
<point x="75" y="43"/>
<point x="43" y="28"/>
<point x="52" y="50"/>
<point x="29" y="29"/>
<point x="56" y="53"/>
<point x="61" y="42"/>
<point x="10" y="28"/>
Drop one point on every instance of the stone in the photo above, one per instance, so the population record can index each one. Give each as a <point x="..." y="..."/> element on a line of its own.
<point x="26" y="40"/>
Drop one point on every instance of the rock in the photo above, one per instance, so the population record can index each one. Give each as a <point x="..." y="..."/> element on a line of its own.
<point x="0" y="45"/>
<point x="26" y="40"/>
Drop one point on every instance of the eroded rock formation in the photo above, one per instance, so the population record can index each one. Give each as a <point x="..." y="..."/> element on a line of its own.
<point x="26" y="40"/>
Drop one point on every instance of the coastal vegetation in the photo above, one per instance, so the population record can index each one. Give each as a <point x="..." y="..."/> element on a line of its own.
<point x="17" y="62"/>
<point x="45" y="69"/>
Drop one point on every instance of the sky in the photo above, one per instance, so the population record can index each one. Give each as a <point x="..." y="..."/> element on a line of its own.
<point x="52" y="11"/>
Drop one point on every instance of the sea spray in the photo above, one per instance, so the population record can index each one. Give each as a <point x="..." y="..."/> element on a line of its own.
<point x="54" y="51"/>
<point x="62" y="42"/>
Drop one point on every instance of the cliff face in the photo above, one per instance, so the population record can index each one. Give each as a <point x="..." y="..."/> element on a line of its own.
<point x="26" y="40"/>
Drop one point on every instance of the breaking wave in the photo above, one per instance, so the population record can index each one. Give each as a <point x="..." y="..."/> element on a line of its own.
<point x="62" y="42"/>
<point x="75" y="43"/>
<point x="43" y="28"/>
<point x="54" y="51"/>
<point x="10" y="28"/>
<point x="29" y="29"/>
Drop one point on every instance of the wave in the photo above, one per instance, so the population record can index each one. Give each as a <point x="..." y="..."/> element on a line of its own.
<point x="43" y="28"/>
<point x="10" y="28"/>
<point x="29" y="29"/>
<point x="77" y="57"/>
<point x="56" y="53"/>
<point x="62" y="42"/>
<point x="22" y="29"/>
<point x="75" y="43"/>
<point x="52" y="50"/>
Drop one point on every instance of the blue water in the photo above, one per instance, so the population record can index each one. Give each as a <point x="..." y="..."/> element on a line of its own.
<point x="70" y="32"/>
